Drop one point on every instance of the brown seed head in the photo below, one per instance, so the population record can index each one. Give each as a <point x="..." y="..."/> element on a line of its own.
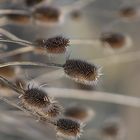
<point x="32" y="2"/>
<point x="68" y="128"/>
<point x="115" y="40"/>
<point x="35" y="98"/>
<point x="56" y="44"/>
<point x="79" y="113"/>
<point x="18" y="18"/>
<point x="128" y="12"/>
<point x="81" y="71"/>
<point x="47" y="14"/>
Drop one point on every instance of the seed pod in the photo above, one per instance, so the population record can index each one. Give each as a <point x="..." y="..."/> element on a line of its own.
<point x="81" y="71"/>
<point x="128" y="12"/>
<point x="113" y="129"/>
<point x="37" y="100"/>
<point x="56" y="45"/>
<point x="115" y="40"/>
<point x="68" y="128"/>
<point x="47" y="14"/>
<point x="79" y="112"/>
<point x="19" y="18"/>
<point x="32" y="2"/>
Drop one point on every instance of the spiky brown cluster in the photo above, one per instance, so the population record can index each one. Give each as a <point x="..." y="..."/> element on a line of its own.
<point x="115" y="40"/>
<point x="47" y="14"/>
<point x="81" y="71"/>
<point x="35" y="98"/>
<point x="128" y="12"/>
<point x="32" y="2"/>
<point x="18" y="18"/>
<point x="56" y="44"/>
<point x="68" y="128"/>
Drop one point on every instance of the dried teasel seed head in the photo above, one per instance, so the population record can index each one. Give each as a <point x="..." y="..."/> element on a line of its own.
<point x="32" y="2"/>
<point x="68" y="128"/>
<point x="56" y="45"/>
<point x="47" y="14"/>
<point x="19" y="18"/>
<point x="35" y="98"/>
<point x="113" y="128"/>
<point x="81" y="71"/>
<point x="128" y="12"/>
<point x="53" y="110"/>
<point x="115" y="40"/>
<point x="79" y="112"/>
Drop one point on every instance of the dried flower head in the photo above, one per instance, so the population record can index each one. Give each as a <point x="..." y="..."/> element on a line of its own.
<point x="128" y="12"/>
<point x="56" y="45"/>
<point x="112" y="128"/>
<point x="115" y="40"/>
<point x="79" y="112"/>
<point x="68" y="128"/>
<point x="19" y="18"/>
<point x="37" y="100"/>
<point x="47" y="14"/>
<point x="32" y="2"/>
<point x="81" y="71"/>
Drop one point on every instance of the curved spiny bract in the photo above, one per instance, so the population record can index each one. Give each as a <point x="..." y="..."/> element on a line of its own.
<point x="81" y="71"/>
<point x="68" y="128"/>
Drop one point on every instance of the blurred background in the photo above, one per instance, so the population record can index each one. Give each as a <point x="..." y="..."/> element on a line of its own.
<point x="119" y="77"/>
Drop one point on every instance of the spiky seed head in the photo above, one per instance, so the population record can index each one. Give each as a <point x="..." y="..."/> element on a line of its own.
<point x="81" y="71"/>
<point x="56" y="44"/>
<point x="47" y="14"/>
<point x="68" y="128"/>
<point x="54" y="110"/>
<point x="18" y="18"/>
<point x="78" y="112"/>
<point x="128" y="12"/>
<point x="32" y="2"/>
<point x="115" y="40"/>
<point x="35" y="98"/>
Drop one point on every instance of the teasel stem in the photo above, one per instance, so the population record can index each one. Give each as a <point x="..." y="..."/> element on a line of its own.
<point x="24" y="43"/>
<point x="17" y="51"/>
<point x="11" y="85"/>
<point x="13" y="11"/>
<point x="95" y="96"/>
<point x="11" y="36"/>
<point x="28" y="113"/>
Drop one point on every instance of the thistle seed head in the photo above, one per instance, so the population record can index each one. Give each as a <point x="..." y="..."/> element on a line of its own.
<point x="81" y="71"/>
<point x="47" y="14"/>
<point x="68" y="128"/>
<point x="56" y="44"/>
<point x="115" y="40"/>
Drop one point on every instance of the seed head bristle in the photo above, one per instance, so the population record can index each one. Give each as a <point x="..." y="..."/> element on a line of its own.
<point x="115" y="40"/>
<point x="18" y="18"/>
<point x="81" y="113"/>
<point x="81" y="71"/>
<point x="68" y="128"/>
<point x="56" y="44"/>
<point x="47" y="14"/>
